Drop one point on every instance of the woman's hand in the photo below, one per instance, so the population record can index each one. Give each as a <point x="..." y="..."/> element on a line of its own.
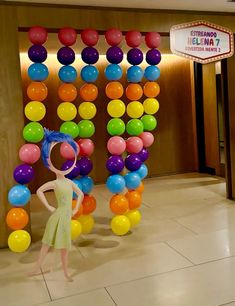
<point x="51" y="209"/>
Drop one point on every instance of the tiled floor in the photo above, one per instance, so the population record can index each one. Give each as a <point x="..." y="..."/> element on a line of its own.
<point x="182" y="253"/>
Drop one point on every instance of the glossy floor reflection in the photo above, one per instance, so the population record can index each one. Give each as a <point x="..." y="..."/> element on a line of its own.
<point x="182" y="253"/>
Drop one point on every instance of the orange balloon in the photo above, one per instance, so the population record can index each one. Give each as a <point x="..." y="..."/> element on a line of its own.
<point x="67" y="92"/>
<point x="134" y="198"/>
<point x="89" y="204"/>
<point x="134" y="92"/>
<point x="119" y="204"/>
<point x="17" y="218"/>
<point x="140" y="189"/>
<point x="37" y="91"/>
<point x="151" y="89"/>
<point x="114" y="90"/>
<point x="89" y="92"/>
<point x="80" y="211"/>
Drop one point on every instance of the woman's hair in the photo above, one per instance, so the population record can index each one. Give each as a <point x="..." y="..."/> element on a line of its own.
<point x="49" y="138"/>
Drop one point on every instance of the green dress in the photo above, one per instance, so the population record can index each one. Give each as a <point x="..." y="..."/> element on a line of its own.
<point x="58" y="232"/>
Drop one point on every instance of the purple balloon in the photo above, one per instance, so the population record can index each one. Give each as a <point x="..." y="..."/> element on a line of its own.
<point x="37" y="53"/>
<point x="153" y="57"/>
<point x="115" y="164"/>
<point x="114" y="55"/>
<point x="85" y="165"/>
<point x="66" y="56"/>
<point x="133" y="162"/>
<point x="74" y="172"/>
<point x="90" y="55"/>
<point x="143" y="154"/>
<point x="23" y="174"/>
<point x="135" y="56"/>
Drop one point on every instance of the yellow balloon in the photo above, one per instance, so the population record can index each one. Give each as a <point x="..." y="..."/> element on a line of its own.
<point x="35" y="111"/>
<point x="116" y="108"/>
<point x="151" y="106"/>
<point x="87" y="223"/>
<point x="135" y="109"/>
<point x="66" y="111"/>
<point x="134" y="217"/>
<point x="19" y="241"/>
<point x="76" y="229"/>
<point x="120" y="225"/>
<point x="87" y="110"/>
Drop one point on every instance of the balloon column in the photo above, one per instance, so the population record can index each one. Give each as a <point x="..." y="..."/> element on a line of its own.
<point x="19" y="195"/>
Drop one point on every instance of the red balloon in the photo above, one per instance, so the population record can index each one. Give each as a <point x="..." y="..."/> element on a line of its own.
<point x="153" y="39"/>
<point x="67" y="36"/>
<point x="37" y="35"/>
<point x="90" y="37"/>
<point x="113" y="37"/>
<point x="133" y="39"/>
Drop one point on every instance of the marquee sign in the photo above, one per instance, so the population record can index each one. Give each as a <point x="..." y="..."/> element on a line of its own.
<point x="201" y="41"/>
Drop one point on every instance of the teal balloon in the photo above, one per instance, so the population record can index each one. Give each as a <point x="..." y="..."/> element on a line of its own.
<point x="70" y="128"/>
<point x="87" y="184"/>
<point x="33" y="132"/>
<point x="89" y="73"/>
<point x="79" y="185"/>
<point x="116" y="127"/>
<point x="115" y="183"/>
<point x="19" y="195"/>
<point x="142" y="171"/>
<point x="113" y="72"/>
<point x="38" y="72"/>
<point x="134" y="74"/>
<point x="132" y="180"/>
<point x="149" y="122"/>
<point x="67" y="74"/>
<point x="134" y="127"/>
<point x="86" y="128"/>
<point x="152" y="73"/>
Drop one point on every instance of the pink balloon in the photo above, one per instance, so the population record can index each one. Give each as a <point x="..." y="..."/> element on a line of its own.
<point x="29" y="153"/>
<point x="133" y="38"/>
<point x="116" y="145"/>
<point x="86" y="147"/>
<point x="90" y="37"/>
<point x="153" y="39"/>
<point x="113" y="37"/>
<point x="147" y="139"/>
<point x="134" y="144"/>
<point x="67" y="151"/>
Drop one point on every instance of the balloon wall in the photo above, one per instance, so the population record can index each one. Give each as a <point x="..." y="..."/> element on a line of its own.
<point x="131" y="109"/>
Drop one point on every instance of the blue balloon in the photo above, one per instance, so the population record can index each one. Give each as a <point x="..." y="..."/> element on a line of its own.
<point x="115" y="183"/>
<point x="89" y="73"/>
<point x="78" y="183"/>
<point x="142" y="171"/>
<point x="134" y="74"/>
<point x="67" y="74"/>
<point x="132" y="180"/>
<point x="113" y="72"/>
<point x="38" y="72"/>
<point x="19" y="195"/>
<point x="152" y="73"/>
<point x="87" y="184"/>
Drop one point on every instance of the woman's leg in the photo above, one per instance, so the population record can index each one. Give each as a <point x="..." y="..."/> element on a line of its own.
<point x="43" y="252"/>
<point x="64" y="259"/>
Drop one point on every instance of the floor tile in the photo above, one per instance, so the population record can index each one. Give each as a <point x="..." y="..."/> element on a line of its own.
<point x="206" y="247"/>
<point x="97" y="297"/>
<point x="205" y="285"/>
<point x="98" y="270"/>
<point x="16" y="289"/>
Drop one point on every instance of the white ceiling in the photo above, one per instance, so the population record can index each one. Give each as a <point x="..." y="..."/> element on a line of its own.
<point x="198" y="5"/>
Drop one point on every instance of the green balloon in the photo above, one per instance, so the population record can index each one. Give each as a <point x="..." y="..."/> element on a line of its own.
<point x="149" y="122"/>
<point x="33" y="132"/>
<point x="70" y="128"/>
<point x="134" y="127"/>
<point x="86" y="128"/>
<point x="116" y="127"/>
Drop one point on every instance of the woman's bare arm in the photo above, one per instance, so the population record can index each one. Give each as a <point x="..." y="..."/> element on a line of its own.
<point x="80" y="197"/>
<point x="40" y="194"/>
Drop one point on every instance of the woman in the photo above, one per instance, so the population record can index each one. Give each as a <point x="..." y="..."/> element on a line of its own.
<point x="57" y="233"/>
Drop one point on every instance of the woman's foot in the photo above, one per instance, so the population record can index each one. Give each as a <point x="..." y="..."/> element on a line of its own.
<point x="68" y="278"/>
<point x="34" y="272"/>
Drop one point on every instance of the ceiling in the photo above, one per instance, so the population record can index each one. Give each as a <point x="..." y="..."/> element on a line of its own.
<point x="198" y="5"/>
